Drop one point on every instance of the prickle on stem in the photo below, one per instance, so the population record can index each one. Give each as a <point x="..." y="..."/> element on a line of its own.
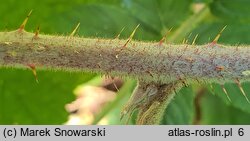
<point x="114" y="83"/>
<point x="118" y="36"/>
<point x="212" y="88"/>
<point x="165" y="37"/>
<point x="131" y="36"/>
<point x="36" y="33"/>
<point x="237" y="81"/>
<point x="215" y="41"/>
<point x="184" y="41"/>
<point x="22" y="26"/>
<point x="220" y="68"/>
<point x="225" y="91"/>
<point x="33" y="69"/>
<point x="195" y="38"/>
<point x="75" y="29"/>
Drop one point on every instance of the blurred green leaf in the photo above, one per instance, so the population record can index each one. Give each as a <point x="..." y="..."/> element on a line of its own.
<point x="233" y="11"/>
<point x="23" y="101"/>
<point x="181" y="108"/>
<point x="158" y="16"/>
<point x="215" y="111"/>
<point x="113" y="109"/>
<point x="237" y="98"/>
<point x="99" y="20"/>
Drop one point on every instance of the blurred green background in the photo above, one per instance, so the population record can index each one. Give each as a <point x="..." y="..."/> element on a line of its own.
<point x="23" y="101"/>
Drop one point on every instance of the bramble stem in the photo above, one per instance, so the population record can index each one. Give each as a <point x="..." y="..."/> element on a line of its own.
<point x="147" y="61"/>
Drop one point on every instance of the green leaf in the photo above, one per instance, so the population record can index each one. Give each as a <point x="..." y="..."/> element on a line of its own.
<point x="23" y="101"/>
<point x="158" y="16"/>
<point x="215" y="111"/>
<point x="113" y="109"/>
<point x="181" y="108"/>
<point x="103" y="21"/>
<point x="231" y="10"/>
<point x="237" y="98"/>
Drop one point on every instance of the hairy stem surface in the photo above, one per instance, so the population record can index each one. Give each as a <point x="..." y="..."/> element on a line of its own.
<point x="147" y="61"/>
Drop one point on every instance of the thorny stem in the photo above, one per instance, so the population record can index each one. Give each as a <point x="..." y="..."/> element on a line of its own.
<point x="145" y="61"/>
<point x="164" y="65"/>
<point x="161" y="68"/>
